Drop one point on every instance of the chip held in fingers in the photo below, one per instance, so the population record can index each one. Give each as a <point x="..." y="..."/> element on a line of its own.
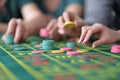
<point x="69" y="24"/>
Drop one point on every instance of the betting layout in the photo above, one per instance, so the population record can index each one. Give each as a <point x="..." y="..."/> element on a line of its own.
<point x="43" y="59"/>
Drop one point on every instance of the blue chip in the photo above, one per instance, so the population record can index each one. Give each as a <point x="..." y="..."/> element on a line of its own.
<point x="71" y="44"/>
<point x="48" y="43"/>
<point x="9" y="39"/>
<point x="47" y="47"/>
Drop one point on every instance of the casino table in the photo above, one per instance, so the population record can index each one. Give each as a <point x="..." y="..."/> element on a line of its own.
<point x="97" y="64"/>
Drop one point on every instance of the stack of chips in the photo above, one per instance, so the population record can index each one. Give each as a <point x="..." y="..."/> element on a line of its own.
<point x="115" y="49"/>
<point x="48" y="44"/>
<point x="9" y="39"/>
<point x="71" y="44"/>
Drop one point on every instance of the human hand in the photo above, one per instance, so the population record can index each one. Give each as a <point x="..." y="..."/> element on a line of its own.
<point x="68" y="17"/>
<point x="105" y="35"/>
<point x="16" y="28"/>
<point x="53" y="30"/>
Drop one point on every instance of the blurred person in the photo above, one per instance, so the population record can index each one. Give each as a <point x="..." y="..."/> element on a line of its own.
<point x="55" y="8"/>
<point x="20" y="19"/>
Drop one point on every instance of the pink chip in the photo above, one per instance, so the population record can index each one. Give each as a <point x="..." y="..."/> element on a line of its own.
<point x="73" y="53"/>
<point x="38" y="51"/>
<point x="37" y="45"/>
<point x="115" y="49"/>
<point x="66" y="49"/>
<point x="44" y="32"/>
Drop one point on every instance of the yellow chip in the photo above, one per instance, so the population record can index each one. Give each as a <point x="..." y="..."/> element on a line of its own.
<point x="57" y="51"/>
<point x="83" y="50"/>
<point x="69" y="25"/>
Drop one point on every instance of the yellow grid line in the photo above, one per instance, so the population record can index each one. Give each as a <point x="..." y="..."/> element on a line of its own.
<point x="9" y="74"/>
<point x="36" y="74"/>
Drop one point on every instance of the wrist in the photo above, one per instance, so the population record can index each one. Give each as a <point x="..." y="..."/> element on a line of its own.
<point x="118" y="33"/>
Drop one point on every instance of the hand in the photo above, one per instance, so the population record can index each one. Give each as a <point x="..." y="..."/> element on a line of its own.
<point x="17" y="29"/>
<point x="69" y="16"/>
<point x="53" y="30"/>
<point x="105" y="35"/>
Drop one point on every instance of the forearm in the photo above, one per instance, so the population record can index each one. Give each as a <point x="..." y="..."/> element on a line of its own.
<point x="75" y="8"/>
<point x="34" y="18"/>
<point x="118" y="33"/>
<point x="3" y="28"/>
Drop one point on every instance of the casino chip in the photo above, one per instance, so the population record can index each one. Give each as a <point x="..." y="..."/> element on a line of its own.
<point x="72" y="53"/>
<point x="69" y="25"/>
<point x="82" y="50"/>
<point x="115" y="49"/>
<point x="71" y="44"/>
<point x="57" y="51"/>
<point x="38" y="51"/>
<point x="44" y="32"/>
<point x="9" y="39"/>
<point x="48" y="44"/>
<point x="20" y="49"/>
<point x="66" y="49"/>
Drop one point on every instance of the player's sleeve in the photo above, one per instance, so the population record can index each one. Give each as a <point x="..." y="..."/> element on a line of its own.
<point x="99" y="11"/>
<point x="81" y="2"/>
<point x="24" y="2"/>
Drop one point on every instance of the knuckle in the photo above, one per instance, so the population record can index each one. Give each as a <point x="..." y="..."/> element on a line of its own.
<point x="97" y="24"/>
<point x="19" y="21"/>
<point x="84" y="28"/>
<point x="60" y="18"/>
<point x="13" y="20"/>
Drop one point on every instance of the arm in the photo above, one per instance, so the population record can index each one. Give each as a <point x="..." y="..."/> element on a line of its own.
<point x="3" y="27"/>
<point x="33" y="17"/>
<point x="97" y="11"/>
<point x="75" y="6"/>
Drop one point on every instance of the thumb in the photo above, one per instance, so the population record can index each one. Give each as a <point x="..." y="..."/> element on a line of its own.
<point x="98" y="42"/>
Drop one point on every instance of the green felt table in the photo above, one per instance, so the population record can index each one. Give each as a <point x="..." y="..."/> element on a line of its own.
<point x="97" y="64"/>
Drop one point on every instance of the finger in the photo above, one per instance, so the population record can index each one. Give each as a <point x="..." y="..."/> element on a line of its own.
<point x="3" y="38"/>
<point x="53" y="36"/>
<point x="83" y="34"/>
<point x="51" y="23"/>
<point x="60" y="23"/>
<point x="56" y="36"/>
<point x="25" y="35"/>
<point x="93" y="30"/>
<point x="98" y="42"/>
<point x="88" y="35"/>
<point x="11" y="26"/>
<point x="66" y="16"/>
<point x="19" y="31"/>
<point x="61" y="31"/>
<point x="54" y="30"/>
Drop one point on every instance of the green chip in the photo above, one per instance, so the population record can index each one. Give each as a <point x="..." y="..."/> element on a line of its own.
<point x="9" y="39"/>
<point x="16" y="45"/>
<point x="71" y="44"/>
<point x="20" y="49"/>
<point x="47" y="47"/>
<point x="48" y="43"/>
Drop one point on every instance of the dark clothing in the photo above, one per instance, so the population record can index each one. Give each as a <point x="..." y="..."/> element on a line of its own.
<point x="106" y="12"/>
<point x="61" y="7"/>
<point x="13" y="9"/>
